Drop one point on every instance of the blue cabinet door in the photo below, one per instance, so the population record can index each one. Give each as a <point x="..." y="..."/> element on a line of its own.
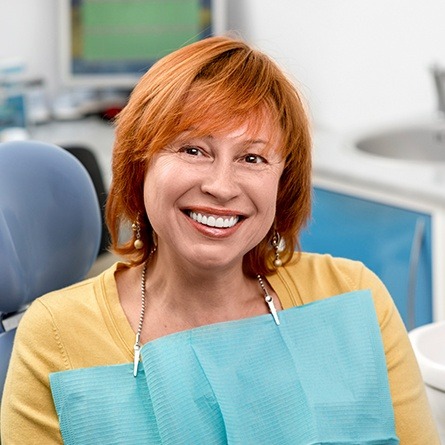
<point x="392" y="241"/>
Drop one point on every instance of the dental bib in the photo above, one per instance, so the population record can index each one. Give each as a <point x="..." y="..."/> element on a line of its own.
<point x="318" y="378"/>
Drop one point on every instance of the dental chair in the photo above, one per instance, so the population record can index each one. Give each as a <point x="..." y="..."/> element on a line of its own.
<point x="50" y="229"/>
<point x="88" y="159"/>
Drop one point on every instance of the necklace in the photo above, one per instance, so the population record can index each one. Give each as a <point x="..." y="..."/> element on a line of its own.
<point x="137" y="345"/>
<point x="269" y="300"/>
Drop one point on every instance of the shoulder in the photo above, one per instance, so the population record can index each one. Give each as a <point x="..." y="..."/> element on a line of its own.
<point x="57" y="325"/>
<point x="318" y="276"/>
<point x="50" y="313"/>
<point x="63" y="301"/>
<point x="310" y="277"/>
<point x="337" y="269"/>
<point x="78" y="295"/>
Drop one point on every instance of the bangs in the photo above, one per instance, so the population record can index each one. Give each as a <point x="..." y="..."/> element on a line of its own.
<point x="215" y="120"/>
<point x="228" y="89"/>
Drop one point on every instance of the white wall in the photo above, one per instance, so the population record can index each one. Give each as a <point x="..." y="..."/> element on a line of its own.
<point x="28" y="31"/>
<point x="359" y="63"/>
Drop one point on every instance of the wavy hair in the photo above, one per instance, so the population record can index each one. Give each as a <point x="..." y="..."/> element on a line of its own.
<point x="227" y="79"/>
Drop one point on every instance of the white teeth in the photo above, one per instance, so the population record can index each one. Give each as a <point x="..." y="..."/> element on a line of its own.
<point x="213" y="221"/>
<point x="219" y="222"/>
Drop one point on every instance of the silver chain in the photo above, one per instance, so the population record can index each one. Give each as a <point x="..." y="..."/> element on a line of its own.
<point x="269" y="300"/>
<point x="137" y="345"/>
<point x="141" y="316"/>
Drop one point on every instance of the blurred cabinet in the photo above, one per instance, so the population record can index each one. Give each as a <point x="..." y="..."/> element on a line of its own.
<point x="394" y="242"/>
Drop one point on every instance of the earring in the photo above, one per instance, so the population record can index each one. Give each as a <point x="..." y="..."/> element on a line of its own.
<point x="138" y="243"/>
<point x="277" y="244"/>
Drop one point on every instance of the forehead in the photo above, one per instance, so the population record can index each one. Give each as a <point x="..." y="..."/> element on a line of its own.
<point x="255" y="126"/>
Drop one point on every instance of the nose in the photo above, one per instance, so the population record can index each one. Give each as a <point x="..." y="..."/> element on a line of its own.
<point x="221" y="181"/>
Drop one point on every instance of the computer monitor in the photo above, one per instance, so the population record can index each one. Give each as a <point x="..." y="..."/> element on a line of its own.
<point x="111" y="43"/>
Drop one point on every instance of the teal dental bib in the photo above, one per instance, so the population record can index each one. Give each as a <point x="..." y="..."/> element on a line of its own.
<point x="318" y="378"/>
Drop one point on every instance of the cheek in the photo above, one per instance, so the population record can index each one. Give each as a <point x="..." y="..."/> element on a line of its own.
<point x="266" y="193"/>
<point x="156" y="186"/>
<point x="272" y="206"/>
<point x="164" y="184"/>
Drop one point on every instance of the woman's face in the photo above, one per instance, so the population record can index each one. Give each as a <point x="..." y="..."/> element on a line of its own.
<point x="212" y="199"/>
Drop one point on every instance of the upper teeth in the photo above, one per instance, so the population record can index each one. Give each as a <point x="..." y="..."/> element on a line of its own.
<point x="214" y="221"/>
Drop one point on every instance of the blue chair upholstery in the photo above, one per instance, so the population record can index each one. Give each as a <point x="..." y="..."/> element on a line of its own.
<point x="6" y="342"/>
<point x="50" y="229"/>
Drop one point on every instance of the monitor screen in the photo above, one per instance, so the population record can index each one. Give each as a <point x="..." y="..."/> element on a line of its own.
<point x="111" y="43"/>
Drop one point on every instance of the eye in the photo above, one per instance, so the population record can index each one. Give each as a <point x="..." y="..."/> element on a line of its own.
<point x="254" y="159"/>
<point x="191" y="150"/>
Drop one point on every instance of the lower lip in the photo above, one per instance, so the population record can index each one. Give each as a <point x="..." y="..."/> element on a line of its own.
<point x="214" y="232"/>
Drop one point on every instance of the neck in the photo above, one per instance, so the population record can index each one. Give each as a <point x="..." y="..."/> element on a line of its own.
<point x="196" y="290"/>
<point x="179" y="298"/>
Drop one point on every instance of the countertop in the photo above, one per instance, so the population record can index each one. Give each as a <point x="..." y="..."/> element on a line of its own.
<point x="335" y="157"/>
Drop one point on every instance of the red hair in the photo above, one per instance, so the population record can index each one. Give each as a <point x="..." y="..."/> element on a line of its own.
<point x="228" y="80"/>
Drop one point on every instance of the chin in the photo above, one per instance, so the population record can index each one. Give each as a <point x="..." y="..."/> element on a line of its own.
<point x="214" y="263"/>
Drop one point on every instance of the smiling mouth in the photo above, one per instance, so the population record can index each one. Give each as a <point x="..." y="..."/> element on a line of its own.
<point x="223" y="222"/>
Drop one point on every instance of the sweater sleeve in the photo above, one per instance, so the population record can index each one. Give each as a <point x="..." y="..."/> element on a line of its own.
<point x="28" y="415"/>
<point x="414" y="422"/>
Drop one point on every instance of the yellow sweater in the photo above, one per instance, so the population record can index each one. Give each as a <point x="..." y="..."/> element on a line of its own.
<point x="84" y="325"/>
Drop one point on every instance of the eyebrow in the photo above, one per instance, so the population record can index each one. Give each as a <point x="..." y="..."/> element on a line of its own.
<point x="246" y="142"/>
<point x="256" y="141"/>
<point x="211" y="137"/>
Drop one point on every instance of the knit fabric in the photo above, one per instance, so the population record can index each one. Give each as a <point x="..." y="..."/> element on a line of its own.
<point x="84" y="326"/>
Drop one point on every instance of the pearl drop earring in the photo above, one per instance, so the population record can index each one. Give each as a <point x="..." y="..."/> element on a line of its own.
<point x="277" y="244"/>
<point x="138" y="243"/>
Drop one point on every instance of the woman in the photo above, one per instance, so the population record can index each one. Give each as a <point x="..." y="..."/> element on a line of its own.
<point x="205" y="335"/>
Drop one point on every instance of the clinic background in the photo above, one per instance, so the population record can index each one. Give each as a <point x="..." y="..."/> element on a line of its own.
<point x="358" y="63"/>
